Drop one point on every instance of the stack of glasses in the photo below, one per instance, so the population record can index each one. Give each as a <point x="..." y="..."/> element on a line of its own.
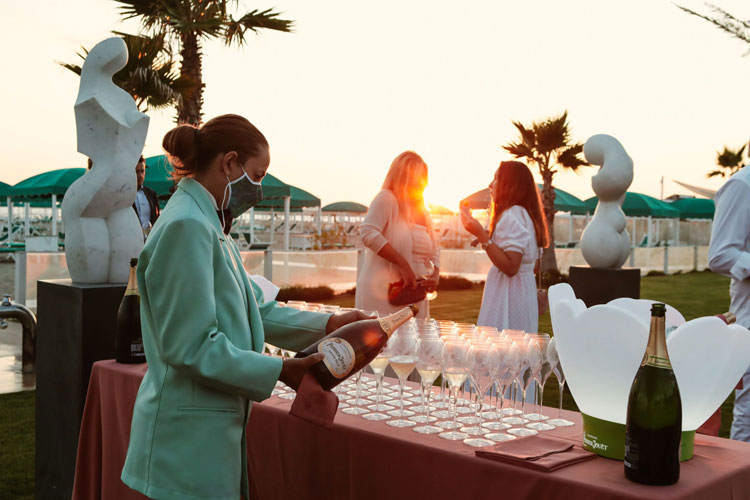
<point x="475" y="363"/>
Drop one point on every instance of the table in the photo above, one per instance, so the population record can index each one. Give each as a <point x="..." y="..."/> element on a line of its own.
<point x="358" y="459"/>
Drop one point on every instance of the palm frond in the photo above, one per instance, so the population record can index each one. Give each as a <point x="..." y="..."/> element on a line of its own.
<point x="569" y="158"/>
<point x="723" y="20"/>
<point x="716" y="173"/>
<point x="236" y="29"/>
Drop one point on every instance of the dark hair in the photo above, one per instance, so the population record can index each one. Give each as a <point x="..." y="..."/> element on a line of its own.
<point x="191" y="149"/>
<point x="514" y="185"/>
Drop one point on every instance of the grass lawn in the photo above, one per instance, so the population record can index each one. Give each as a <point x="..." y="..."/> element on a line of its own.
<point x="693" y="294"/>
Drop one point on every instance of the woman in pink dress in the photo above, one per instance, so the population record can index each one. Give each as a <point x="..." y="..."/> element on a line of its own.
<point x="398" y="238"/>
<point x="518" y="229"/>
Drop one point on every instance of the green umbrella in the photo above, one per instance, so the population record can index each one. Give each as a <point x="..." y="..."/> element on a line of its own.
<point x="46" y="184"/>
<point x="159" y="175"/>
<point x="695" y="208"/>
<point x="274" y="191"/>
<point x="564" y="201"/>
<point x="345" y="206"/>
<point x="641" y="205"/>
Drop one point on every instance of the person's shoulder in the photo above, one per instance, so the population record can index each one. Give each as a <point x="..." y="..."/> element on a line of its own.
<point x="148" y="190"/>
<point x="385" y="195"/>
<point x="739" y="182"/>
<point x="517" y="212"/>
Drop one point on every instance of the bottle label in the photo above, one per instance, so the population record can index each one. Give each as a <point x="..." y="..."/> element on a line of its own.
<point x="339" y="356"/>
<point x="390" y="323"/>
<point x="659" y="362"/>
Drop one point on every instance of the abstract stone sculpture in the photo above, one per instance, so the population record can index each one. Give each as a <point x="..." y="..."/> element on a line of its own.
<point x="102" y="229"/>
<point x="605" y="242"/>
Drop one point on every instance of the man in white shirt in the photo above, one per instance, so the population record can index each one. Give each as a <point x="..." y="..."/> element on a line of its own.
<point x="146" y="203"/>
<point x="729" y="254"/>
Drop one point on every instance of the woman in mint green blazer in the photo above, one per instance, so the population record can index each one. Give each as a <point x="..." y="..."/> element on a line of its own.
<point x="203" y="329"/>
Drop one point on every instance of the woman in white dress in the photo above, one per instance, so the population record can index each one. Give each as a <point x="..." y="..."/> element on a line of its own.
<point x="398" y="238"/>
<point x="518" y="229"/>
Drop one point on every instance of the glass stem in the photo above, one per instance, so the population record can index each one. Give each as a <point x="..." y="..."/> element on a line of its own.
<point x="541" y="399"/>
<point x="401" y="397"/>
<point x="501" y="396"/>
<point x="359" y="387"/>
<point x="454" y="413"/>
<point x="380" y="388"/>
<point x="559" y="408"/>
<point x="426" y="399"/>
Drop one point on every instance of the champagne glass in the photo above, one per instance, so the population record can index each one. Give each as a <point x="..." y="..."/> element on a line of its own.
<point x="455" y="371"/>
<point x="424" y="269"/>
<point x="356" y="410"/>
<point x="403" y="348"/>
<point x="540" y="377"/>
<point x="377" y="366"/>
<point x="502" y="377"/>
<point x="532" y="361"/>
<point x="554" y="361"/>
<point x="429" y="366"/>
<point x="482" y="359"/>
<point x="516" y="366"/>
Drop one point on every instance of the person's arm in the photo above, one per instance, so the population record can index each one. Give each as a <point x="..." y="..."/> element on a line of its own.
<point x="507" y="260"/>
<point x="178" y="283"/>
<point x="730" y="231"/>
<point x="381" y="211"/>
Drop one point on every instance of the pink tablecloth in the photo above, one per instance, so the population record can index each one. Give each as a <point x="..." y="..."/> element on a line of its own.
<point x="357" y="459"/>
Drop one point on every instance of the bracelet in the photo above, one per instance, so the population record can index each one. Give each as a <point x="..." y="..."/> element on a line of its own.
<point x="486" y="244"/>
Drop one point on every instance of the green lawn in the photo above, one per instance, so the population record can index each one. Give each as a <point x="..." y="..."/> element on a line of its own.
<point x="694" y="294"/>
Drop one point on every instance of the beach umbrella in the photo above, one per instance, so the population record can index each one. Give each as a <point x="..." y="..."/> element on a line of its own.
<point x="345" y="206"/>
<point x="159" y="175"/>
<point x="695" y="208"/>
<point x="641" y="205"/>
<point x="46" y="184"/>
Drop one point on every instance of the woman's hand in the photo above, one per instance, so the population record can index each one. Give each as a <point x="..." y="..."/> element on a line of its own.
<point x="292" y="370"/>
<point x="474" y="227"/>
<point x="339" y="319"/>
<point x="407" y="275"/>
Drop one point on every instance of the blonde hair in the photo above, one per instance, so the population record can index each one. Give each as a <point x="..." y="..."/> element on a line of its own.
<point x="406" y="179"/>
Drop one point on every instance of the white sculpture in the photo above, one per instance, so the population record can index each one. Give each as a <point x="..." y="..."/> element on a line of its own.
<point x="605" y="242"/>
<point x="102" y="229"/>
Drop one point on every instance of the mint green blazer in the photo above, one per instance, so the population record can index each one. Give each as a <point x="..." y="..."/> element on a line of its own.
<point x="203" y="333"/>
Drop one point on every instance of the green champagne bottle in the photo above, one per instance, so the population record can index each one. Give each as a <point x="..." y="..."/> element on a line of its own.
<point x="654" y="419"/>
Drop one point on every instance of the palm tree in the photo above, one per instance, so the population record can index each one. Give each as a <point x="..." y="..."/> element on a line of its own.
<point x="724" y="21"/>
<point x="728" y="161"/>
<point x="547" y="145"/>
<point x="186" y="24"/>
<point x="149" y="75"/>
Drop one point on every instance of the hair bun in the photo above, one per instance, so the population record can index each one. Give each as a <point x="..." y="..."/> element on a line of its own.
<point x="181" y="145"/>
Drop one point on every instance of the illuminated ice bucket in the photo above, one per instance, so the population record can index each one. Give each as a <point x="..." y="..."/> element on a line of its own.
<point x="601" y="349"/>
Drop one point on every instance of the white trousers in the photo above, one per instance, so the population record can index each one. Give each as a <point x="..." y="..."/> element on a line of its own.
<point x="741" y="423"/>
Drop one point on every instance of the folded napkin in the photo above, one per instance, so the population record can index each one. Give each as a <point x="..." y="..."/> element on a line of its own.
<point x="536" y="452"/>
<point x="314" y="404"/>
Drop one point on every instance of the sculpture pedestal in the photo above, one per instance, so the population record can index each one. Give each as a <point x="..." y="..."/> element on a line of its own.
<point x="599" y="286"/>
<point x="76" y="327"/>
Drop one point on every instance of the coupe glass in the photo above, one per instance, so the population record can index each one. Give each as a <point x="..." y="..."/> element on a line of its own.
<point x="403" y="349"/>
<point x="455" y="371"/>
<point x="429" y="366"/>
<point x="554" y="361"/>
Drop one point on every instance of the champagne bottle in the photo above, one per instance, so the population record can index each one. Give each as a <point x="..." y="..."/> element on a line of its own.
<point x="128" y="341"/>
<point x="352" y="347"/>
<point x="654" y="419"/>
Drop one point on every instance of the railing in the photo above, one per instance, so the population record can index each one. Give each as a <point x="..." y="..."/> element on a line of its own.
<point x="338" y="268"/>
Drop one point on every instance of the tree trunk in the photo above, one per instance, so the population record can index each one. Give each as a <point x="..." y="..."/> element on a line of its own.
<point x="549" y="261"/>
<point x="189" y="111"/>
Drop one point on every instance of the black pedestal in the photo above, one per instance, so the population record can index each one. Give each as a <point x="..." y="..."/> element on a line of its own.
<point x="599" y="286"/>
<point x="76" y="328"/>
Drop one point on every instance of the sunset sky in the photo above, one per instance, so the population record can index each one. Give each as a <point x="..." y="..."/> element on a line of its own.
<point x="359" y="82"/>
